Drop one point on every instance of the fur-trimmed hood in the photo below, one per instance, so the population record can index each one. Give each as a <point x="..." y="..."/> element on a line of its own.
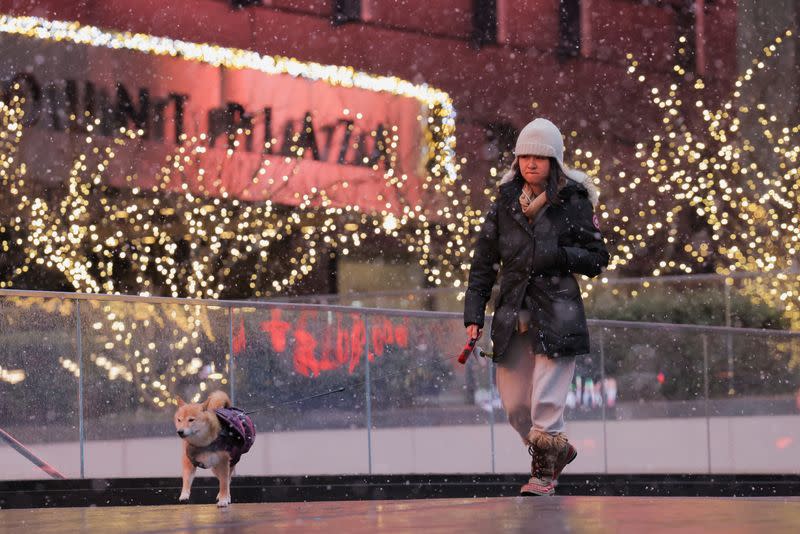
<point x="573" y="174"/>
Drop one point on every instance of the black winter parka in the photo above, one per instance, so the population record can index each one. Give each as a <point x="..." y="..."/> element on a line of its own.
<point x="536" y="263"/>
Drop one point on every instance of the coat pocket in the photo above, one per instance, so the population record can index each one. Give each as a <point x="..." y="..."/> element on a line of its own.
<point x="568" y="317"/>
<point x="560" y="308"/>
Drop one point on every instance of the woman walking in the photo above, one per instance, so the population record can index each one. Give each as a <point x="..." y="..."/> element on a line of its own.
<point x="539" y="232"/>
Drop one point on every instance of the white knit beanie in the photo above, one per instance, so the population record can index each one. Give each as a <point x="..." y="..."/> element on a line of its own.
<point x="542" y="138"/>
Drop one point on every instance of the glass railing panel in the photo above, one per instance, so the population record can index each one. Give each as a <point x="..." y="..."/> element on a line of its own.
<point x="675" y="398"/>
<point x="657" y="421"/>
<point x="139" y="357"/>
<point x="301" y="370"/>
<point x="39" y="369"/>
<point x="591" y="397"/>
<point x="429" y="413"/>
<point x="754" y="404"/>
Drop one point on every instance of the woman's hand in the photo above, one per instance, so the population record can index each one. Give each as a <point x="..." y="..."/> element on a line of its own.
<point x="474" y="331"/>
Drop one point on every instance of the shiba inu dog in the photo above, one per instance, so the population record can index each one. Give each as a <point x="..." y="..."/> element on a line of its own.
<point x="215" y="435"/>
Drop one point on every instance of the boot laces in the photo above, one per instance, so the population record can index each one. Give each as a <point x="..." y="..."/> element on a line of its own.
<point x="537" y="464"/>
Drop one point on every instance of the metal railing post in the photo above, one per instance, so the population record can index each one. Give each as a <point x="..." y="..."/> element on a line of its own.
<point x="603" y="403"/>
<point x="706" y="394"/>
<point x="368" y="393"/>
<point x="79" y="349"/>
<point x="231" y="364"/>
<point x="491" y="414"/>
<point x="728" y="337"/>
<point x="29" y="455"/>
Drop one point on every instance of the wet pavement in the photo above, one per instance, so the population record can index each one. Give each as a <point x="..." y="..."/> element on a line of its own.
<point x="513" y="514"/>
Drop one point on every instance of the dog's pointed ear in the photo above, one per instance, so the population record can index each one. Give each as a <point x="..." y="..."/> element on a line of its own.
<point x="205" y="405"/>
<point x="179" y="400"/>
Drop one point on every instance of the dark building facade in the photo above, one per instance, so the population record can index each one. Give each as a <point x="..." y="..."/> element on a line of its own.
<point x="503" y="62"/>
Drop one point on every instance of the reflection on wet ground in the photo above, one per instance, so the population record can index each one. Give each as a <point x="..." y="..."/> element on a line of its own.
<point x="515" y="514"/>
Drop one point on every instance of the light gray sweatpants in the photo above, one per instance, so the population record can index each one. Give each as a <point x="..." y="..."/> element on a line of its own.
<point x="533" y="387"/>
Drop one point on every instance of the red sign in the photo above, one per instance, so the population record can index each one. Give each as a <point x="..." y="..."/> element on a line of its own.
<point x="336" y="345"/>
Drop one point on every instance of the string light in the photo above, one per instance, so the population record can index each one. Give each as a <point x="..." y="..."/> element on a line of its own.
<point x="12" y="376"/>
<point x="744" y="191"/>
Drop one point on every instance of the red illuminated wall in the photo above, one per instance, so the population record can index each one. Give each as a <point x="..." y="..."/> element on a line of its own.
<point x="428" y="41"/>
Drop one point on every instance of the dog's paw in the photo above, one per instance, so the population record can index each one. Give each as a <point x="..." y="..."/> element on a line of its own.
<point x="184" y="496"/>
<point x="223" y="502"/>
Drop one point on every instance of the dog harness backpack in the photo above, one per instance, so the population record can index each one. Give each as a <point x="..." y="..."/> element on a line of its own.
<point x="236" y="436"/>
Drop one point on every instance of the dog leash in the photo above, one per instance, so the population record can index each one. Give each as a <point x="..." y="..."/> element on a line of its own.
<point x="463" y="355"/>
<point x="301" y="399"/>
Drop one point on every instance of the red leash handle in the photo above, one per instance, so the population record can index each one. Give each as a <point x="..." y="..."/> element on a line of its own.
<point x="462" y="358"/>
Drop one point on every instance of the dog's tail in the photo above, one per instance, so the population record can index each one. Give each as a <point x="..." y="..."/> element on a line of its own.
<point x="217" y="399"/>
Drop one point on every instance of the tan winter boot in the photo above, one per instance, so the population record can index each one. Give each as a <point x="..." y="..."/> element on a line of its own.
<point x="566" y="453"/>
<point x="544" y="449"/>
